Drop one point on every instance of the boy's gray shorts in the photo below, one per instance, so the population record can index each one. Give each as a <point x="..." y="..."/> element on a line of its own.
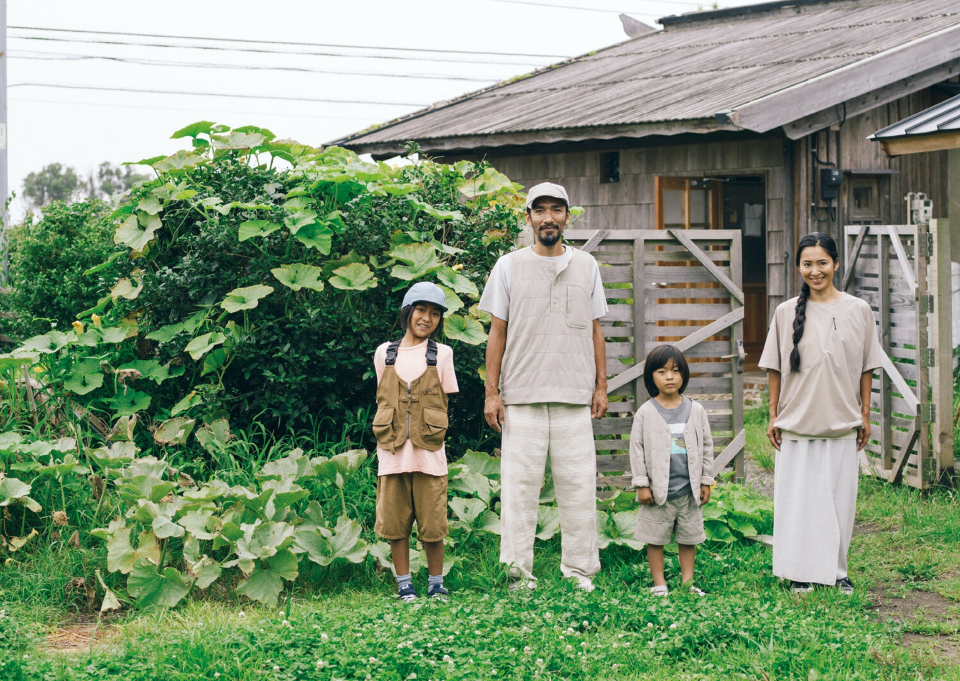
<point x="682" y="516"/>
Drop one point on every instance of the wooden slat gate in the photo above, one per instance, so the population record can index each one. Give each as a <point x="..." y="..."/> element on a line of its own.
<point x="903" y="271"/>
<point x="670" y="286"/>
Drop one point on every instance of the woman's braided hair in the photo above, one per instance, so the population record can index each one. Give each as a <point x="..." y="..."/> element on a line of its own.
<point x="830" y="246"/>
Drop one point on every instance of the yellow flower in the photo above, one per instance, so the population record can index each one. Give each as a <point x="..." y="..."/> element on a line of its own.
<point x="458" y="267"/>
<point x="78" y="327"/>
<point x="96" y="320"/>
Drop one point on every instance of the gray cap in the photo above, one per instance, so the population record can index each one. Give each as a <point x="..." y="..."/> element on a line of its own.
<point x="425" y="292"/>
<point x="550" y="189"/>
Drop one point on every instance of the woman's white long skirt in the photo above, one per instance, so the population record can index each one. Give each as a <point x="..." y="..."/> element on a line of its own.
<point x="814" y="505"/>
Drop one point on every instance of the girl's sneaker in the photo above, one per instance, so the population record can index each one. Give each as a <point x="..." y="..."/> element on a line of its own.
<point x="407" y="593"/>
<point x="800" y="587"/>
<point x="437" y="591"/>
<point x="661" y="590"/>
<point x="696" y="591"/>
<point x="845" y="586"/>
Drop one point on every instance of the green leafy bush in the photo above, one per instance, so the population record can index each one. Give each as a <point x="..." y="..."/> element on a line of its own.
<point x="48" y="258"/>
<point x="261" y="292"/>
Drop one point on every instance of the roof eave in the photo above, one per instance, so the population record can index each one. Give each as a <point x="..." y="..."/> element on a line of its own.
<point x="467" y="143"/>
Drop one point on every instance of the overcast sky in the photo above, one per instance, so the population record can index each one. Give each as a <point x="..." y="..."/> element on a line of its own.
<point x="79" y="125"/>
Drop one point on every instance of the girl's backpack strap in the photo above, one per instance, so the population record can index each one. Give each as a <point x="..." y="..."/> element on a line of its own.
<point x="392" y="353"/>
<point x="431" y="352"/>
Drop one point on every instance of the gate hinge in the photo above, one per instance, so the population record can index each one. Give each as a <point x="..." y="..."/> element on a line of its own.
<point x="928" y="357"/>
<point x="930" y="470"/>
<point x="928" y="413"/>
<point x="927" y="303"/>
<point x="925" y="245"/>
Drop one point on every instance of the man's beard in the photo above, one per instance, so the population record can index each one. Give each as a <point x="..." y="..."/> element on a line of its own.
<point x="548" y="240"/>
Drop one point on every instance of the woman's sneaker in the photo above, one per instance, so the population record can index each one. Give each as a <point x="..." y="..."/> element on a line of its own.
<point x="661" y="590"/>
<point x="800" y="587"/>
<point x="407" y="593"/>
<point x="845" y="586"/>
<point x="696" y="591"/>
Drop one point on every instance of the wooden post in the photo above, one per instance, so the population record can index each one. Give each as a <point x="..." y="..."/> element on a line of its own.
<point x="941" y="340"/>
<point x="736" y="342"/>
<point x="925" y="460"/>
<point x="883" y="287"/>
<point x="639" y="318"/>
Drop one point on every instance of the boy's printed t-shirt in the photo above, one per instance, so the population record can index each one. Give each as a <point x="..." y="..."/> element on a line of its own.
<point x="679" y="484"/>
<point x="410" y="365"/>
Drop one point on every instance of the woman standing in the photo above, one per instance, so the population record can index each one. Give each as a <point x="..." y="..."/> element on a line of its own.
<point x="820" y="355"/>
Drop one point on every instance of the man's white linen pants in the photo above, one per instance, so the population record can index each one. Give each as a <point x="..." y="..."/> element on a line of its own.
<point x="530" y="433"/>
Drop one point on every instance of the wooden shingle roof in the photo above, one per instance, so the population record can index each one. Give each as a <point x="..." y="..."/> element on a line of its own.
<point x="757" y="69"/>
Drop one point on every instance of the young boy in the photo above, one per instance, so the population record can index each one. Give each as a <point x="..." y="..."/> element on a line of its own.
<point x="414" y="376"/>
<point x="671" y="454"/>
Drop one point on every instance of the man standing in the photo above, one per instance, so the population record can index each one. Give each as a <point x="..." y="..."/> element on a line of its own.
<point x="546" y="378"/>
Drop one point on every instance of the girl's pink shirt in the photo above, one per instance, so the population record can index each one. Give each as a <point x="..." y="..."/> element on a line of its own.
<point x="410" y="365"/>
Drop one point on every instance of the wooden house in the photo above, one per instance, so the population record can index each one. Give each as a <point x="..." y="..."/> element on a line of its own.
<point x="753" y="118"/>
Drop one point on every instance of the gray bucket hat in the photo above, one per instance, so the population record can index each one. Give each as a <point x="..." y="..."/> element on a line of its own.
<point x="425" y="292"/>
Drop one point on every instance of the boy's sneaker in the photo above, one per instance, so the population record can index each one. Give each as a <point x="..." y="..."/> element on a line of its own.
<point x="845" y="586"/>
<point x="800" y="587"/>
<point x="661" y="590"/>
<point x="437" y="591"/>
<point x="407" y="593"/>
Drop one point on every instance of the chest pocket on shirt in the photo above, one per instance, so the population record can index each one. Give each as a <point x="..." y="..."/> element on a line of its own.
<point x="814" y="349"/>
<point x="577" y="307"/>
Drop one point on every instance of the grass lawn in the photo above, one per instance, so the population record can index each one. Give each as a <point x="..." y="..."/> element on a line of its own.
<point x="345" y="624"/>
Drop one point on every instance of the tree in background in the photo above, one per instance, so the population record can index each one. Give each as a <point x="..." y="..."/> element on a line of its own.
<point x="109" y="179"/>
<point x="54" y="182"/>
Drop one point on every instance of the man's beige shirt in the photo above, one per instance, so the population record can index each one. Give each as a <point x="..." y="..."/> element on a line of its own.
<point x="840" y="342"/>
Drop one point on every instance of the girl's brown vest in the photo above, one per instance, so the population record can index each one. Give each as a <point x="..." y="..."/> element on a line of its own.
<point x="415" y="411"/>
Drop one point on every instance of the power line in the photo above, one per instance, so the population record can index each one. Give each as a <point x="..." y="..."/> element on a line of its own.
<point x="194" y="110"/>
<point x="265" y="51"/>
<point x="211" y="94"/>
<point x="55" y="56"/>
<point x="298" y="44"/>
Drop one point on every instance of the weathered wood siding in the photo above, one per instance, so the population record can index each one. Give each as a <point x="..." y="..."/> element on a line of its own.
<point x="630" y="203"/>
<point x="847" y="146"/>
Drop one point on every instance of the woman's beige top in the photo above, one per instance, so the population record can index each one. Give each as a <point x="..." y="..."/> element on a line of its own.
<point x="840" y="342"/>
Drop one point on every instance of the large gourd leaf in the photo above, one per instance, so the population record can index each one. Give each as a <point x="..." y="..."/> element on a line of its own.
<point x="467" y="510"/>
<point x="548" y="521"/>
<point x="299" y="275"/>
<point x="324" y="547"/>
<point x="129" y="403"/>
<point x="265" y="581"/>
<point x="201" y="345"/>
<point x="451" y="301"/>
<point x="156" y="590"/>
<point x="353" y="277"/>
<point x="152" y="369"/>
<point x="457" y="282"/>
<point x="317" y="236"/>
<point x="340" y="468"/>
<point x="465" y="329"/>
<point x="245" y="298"/>
<point x="124" y="288"/>
<point x="434" y="212"/>
<point x="481" y="463"/>
<point x="84" y="378"/>
<point x="137" y="231"/>
<point x="252" y="228"/>
<point x="472" y="483"/>
<point x="174" y="431"/>
<point x="421" y="259"/>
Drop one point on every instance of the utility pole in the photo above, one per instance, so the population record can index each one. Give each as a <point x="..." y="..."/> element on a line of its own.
<point x="4" y="218"/>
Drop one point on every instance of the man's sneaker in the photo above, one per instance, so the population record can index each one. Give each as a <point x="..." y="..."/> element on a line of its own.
<point x="800" y="587"/>
<point x="516" y="582"/>
<point x="845" y="586"/>
<point x="661" y="590"/>
<point x="437" y="591"/>
<point x="407" y="593"/>
<point x="585" y="583"/>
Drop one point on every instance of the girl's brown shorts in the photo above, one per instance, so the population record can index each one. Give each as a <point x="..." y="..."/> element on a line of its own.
<point x="403" y="497"/>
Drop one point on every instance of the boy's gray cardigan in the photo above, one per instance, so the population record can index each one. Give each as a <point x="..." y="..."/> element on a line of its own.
<point x="650" y="450"/>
